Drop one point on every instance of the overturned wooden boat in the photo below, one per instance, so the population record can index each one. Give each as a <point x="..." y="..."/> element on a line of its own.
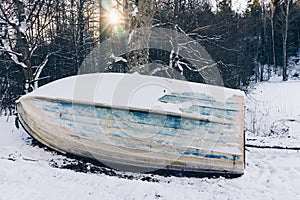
<point x="140" y="123"/>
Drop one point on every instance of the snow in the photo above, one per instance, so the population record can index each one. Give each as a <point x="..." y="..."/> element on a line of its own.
<point x="132" y="90"/>
<point x="118" y="59"/>
<point x="135" y="11"/>
<point x="26" y="171"/>
<point x="273" y="110"/>
<point x="294" y="63"/>
<point x="13" y="55"/>
<point x="23" y="27"/>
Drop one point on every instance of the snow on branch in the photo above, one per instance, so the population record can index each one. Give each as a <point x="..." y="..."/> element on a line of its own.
<point x="6" y="47"/>
<point x="37" y="73"/>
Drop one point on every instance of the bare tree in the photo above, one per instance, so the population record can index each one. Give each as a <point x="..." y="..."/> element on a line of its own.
<point x="22" y="27"/>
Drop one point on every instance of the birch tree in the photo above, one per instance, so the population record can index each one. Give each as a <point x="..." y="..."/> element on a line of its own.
<point x="22" y="26"/>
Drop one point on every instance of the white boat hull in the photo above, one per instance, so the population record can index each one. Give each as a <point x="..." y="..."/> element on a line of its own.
<point x="172" y="129"/>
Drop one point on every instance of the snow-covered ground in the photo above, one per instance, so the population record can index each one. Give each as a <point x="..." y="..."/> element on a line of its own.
<point x="27" y="171"/>
<point x="273" y="114"/>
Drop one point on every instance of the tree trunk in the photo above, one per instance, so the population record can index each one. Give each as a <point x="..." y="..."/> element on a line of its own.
<point x="261" y="67"/>
<point x="80" y="43"/>
<point x="23" y="46"/>
<point x="273" y="35"/>
<point x="126" y="14"/>
<point x="284" y="43"/>
<point x="140" y="32"/>
<point x="265" y="39"/>
<point x="176" y="12"/>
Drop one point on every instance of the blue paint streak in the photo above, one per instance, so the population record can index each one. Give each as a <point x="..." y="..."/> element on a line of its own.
<point x="195" y="98"/>
<point x="214" y="156"/>
<point x="225" y="111"/>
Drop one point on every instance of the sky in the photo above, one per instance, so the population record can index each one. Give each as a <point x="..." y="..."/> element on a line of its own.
<point x="239" y="5"/>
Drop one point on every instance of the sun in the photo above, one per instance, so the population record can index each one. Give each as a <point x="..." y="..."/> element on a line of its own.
<point x="114" y="17"/>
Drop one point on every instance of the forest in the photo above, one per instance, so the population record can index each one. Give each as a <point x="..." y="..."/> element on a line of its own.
<point x="45" y="40"/>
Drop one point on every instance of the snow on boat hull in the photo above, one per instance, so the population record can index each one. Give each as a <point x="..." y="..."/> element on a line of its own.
<point x="195" y="131"/>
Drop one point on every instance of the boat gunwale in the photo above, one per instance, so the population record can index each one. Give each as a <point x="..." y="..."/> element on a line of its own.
<point x="135" y="109"/>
